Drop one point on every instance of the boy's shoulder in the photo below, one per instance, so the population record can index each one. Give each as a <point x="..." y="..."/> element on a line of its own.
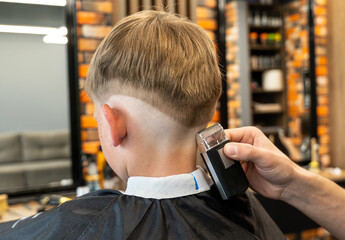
<point x="68" y="220"/>
<point x="108" y="214"/>
<point x="101" y="193"/>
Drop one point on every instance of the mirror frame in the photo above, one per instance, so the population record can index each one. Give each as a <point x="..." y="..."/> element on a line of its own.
<point x="74" y="118"/>
<point x="312" y="69"/>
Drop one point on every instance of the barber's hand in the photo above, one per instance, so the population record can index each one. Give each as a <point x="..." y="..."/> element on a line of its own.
<point x="268" y="170"/>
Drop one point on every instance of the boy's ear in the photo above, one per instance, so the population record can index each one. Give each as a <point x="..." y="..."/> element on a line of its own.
<point x="117" y="124"/>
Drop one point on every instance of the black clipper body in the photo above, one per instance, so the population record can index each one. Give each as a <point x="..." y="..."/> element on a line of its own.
<point x="226" y="173"/>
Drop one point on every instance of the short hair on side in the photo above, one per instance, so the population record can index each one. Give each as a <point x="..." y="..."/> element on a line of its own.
<point x="162" y="59"/>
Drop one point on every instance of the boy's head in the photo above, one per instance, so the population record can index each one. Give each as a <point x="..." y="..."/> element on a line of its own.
<point x="161" y="59"/>
<point x="155" y="82"/>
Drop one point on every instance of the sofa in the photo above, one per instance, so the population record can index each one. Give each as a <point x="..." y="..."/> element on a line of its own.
<point x="34" y="159"/>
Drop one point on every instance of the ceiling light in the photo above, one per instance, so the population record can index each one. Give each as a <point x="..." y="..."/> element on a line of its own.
<point x="54" y="39"/>
<point x="60" y="3"/>
<point x="32" y="30"/>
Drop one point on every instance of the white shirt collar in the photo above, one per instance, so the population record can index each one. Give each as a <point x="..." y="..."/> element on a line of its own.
<point x="169" y="187"/>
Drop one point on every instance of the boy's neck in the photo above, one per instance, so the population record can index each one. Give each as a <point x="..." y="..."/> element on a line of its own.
<point x="155" y="145"/>
<point x="163" y="158"/>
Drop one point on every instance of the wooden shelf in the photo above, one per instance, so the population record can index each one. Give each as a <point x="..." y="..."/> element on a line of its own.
<point x="270" y="129"/>
<point x="264" y="69"/>
<point x="266" y="55"/>
<point x="268" y="112"/>
<point x="264" y="47"/>
<point x="265" y="28"/>
<point x="261" y="5"/>
<point x="262" y="91"/>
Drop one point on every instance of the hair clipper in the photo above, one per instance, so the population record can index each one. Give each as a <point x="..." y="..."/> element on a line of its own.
<point x="226" y="173"/>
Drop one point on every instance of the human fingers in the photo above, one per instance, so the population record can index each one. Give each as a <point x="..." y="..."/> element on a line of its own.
<point x="267" y="162"/>
<point x="244" y="152"/>
<point x="250" y="135"/>
<point x="241" y="134"/>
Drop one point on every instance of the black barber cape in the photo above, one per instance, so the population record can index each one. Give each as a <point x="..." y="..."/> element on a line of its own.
<point x="108" y="214"/>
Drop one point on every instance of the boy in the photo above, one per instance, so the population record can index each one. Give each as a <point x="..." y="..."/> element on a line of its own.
<point x="155" y="83"/>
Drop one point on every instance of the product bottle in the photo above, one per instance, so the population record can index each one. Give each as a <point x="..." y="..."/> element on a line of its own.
<point x="109" y="177"/>
<point x="277" y="39"/>
<point x="92" y="177"/>
<point x="101" y="162"/>
<point x="264" y="38"/>
<point x="314" y="165"/>
<point x="250" y="18"/>
<point x="269" y="20"/>
<point x="264" y="19"/>
<point x="253" y="36"/>
<point x="271" y="39"/>
<point x="254" y="62"/>
<point x="257" y="18"/>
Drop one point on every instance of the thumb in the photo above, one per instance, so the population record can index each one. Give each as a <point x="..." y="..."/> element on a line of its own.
<point x="244" y="152"/>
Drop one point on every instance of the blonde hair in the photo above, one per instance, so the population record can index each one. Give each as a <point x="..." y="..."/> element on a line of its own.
<point x="162" y="59"/>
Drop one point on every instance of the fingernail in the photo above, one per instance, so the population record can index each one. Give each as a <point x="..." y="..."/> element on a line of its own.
<point x="231" y="149"/>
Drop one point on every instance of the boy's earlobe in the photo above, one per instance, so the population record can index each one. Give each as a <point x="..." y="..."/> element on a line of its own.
<point x="116" y="123"/>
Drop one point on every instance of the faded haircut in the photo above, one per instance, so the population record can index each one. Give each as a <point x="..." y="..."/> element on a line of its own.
<point x="162" y="59"/>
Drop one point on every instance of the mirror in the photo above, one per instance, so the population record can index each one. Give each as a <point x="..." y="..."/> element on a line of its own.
<point x="38" y="92"/>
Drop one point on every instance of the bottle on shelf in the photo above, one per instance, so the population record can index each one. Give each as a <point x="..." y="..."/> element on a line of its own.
<point x="264" y="38"/>
<point x="263" y="18"/>
<point x="257" y="18"/>
<point x="109" y="177"/>
<point x="268" y="2"/>
<point x="261" y="62"/>
<point x="253" y="36"/>
<point x="250" y="18"/>
<point x="268" y="108"/>
<point x="92" y="178"/>
<point x="101" y="162"/>
<point x="314" y="165"/>
<point x="277" y="39"/>
<point x="270" y="39"/>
